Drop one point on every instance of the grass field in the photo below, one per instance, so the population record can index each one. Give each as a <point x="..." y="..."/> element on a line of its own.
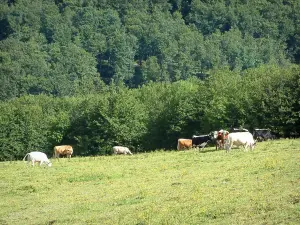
<point x="191" y="187"/>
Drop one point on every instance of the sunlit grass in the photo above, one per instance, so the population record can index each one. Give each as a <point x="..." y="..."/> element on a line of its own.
<point x="191" y="187"/>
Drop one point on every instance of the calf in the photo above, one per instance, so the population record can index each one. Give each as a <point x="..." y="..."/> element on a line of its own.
<point x="240" y="138"/>
<point x="121" y="150"/>
<point x="37" y="157"/>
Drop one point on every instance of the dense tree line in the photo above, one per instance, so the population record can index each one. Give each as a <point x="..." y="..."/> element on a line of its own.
<point x="153" y="116"/>
<point x="66" y="47"/>
<point x="141" y="73"/>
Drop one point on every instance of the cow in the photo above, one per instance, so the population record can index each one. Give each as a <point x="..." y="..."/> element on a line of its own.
<point x="240" y="138"/>
<point x="221" y="137"/>
<point x="275" y="135"/>
<point x="37" y="157"/>
<point x="294" y="134"/>
<point x="184" y="143"/>
<point x="262" y="134"/>
<point x="121" y="150"/>
<point x="66" y="150"/>
<point x="202" y="140"/>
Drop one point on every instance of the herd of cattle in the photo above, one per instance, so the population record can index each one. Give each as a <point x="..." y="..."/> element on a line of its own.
<point x="41" y="158"/>
<point x="222" y="139"/>
<point x="63" y="150"/>
<point x="225" y="140"/>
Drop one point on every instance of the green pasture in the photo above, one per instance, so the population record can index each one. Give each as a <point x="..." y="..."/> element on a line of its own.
<point x="161" y="187"/>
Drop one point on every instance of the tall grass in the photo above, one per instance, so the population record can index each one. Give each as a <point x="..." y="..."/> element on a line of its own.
<point x="191" y="187"/>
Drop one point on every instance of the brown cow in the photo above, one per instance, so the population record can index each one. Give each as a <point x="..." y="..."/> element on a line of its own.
<point x="222" y="136"/>
<point x="184" y="143"/>
<point x="63" y="150"/>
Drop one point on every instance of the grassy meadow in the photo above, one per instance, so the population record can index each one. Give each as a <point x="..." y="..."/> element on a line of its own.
<point x="162" y="187"/>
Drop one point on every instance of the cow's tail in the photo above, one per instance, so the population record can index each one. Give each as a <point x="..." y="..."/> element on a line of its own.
<point x="25" y="156"/>
<point x="178" y="145"/>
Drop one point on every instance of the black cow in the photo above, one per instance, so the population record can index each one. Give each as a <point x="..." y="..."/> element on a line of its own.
<point x="262" y="135"/>
<point x="275" y="135"/>
<point x="202" y="140"/>
<point x="294" y="134"/>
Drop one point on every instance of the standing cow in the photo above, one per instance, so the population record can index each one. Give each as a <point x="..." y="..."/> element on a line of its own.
<point x="202" y="140"/>
<point x="240" y="138"/>
<point x="121" y="150"/>
<point x="184" y="143"/>
<point x="66" y="150"/>
<point x="262" y="134"/>
<point x="221" y="137"/>
<point x="37" y="157"/>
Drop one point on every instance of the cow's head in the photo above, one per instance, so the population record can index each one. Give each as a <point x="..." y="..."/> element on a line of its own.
<point x="213" y="135"/>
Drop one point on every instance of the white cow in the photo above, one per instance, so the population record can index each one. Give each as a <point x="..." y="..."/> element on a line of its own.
<point x="121" y="150"/>
<point x="37" y="157"/>
<point x="240" y="138"/>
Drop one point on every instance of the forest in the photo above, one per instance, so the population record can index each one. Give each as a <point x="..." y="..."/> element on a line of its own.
<point x="143" y="73"/>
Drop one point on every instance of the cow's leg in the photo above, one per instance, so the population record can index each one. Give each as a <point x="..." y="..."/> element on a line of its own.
<point x="228" y="147"/>
<point x="33" y="162"/>
<point x="246" y="147"/>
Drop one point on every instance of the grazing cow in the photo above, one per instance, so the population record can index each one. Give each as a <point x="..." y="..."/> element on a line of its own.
<point x="240" y="138"/>
<point x="66" y="150"/>
<point x="222" y="136"/>
<point x="184" y="143"/>
<point x="262" y="134"/>
<point x="37" y="157"/>
<point x="121" y="150"/>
